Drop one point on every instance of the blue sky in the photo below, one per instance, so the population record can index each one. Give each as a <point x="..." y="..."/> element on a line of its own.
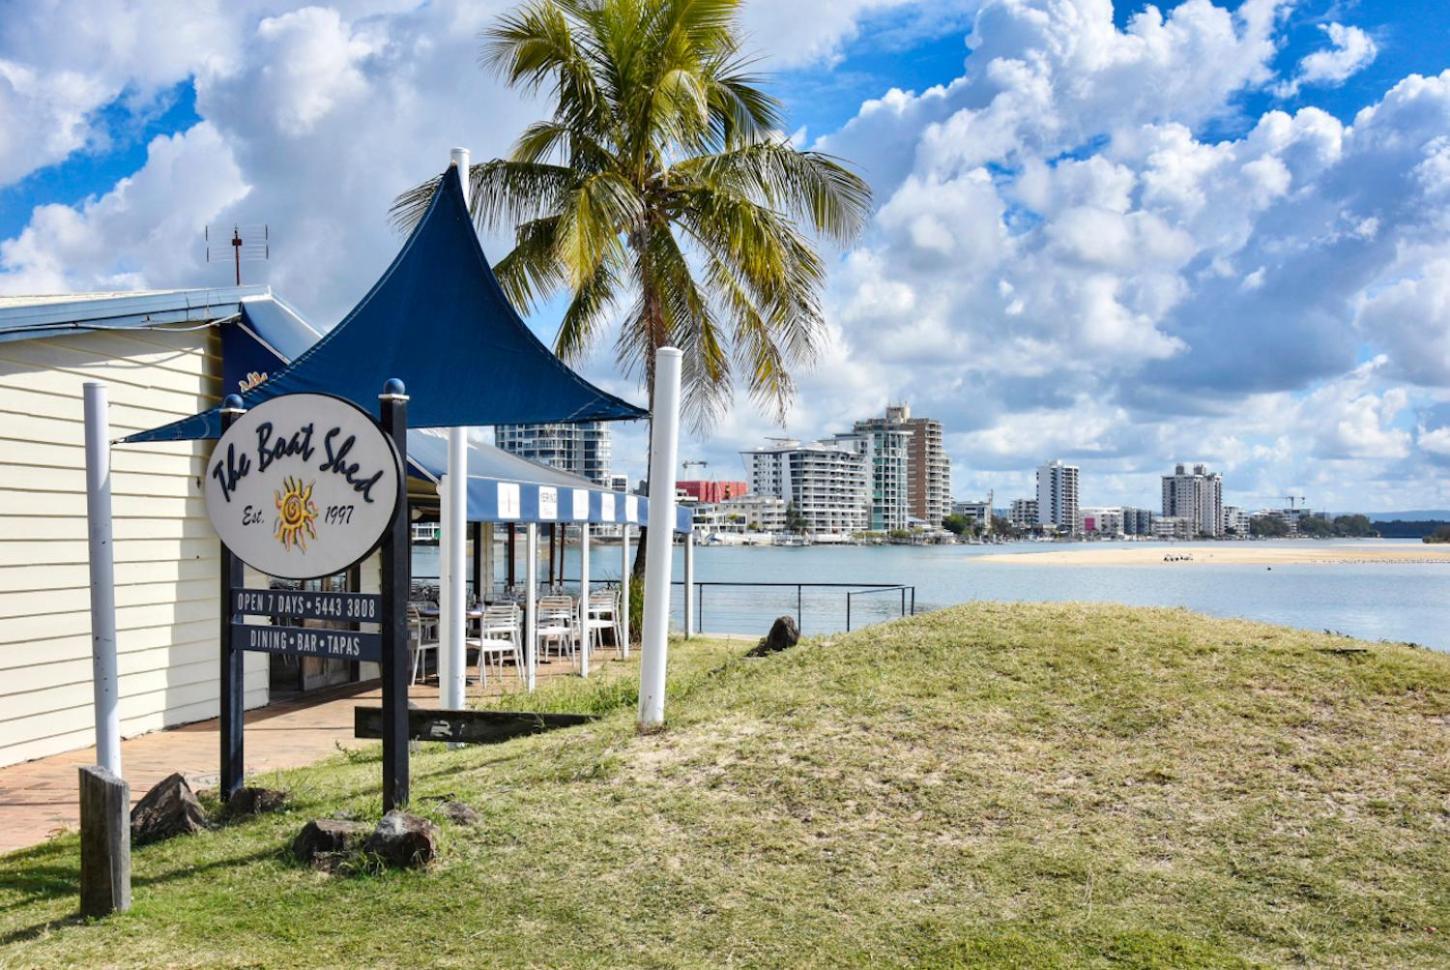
<point x="1119" y="240"/>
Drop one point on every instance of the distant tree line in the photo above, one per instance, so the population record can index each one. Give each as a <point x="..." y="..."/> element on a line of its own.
<point x="1410" y="529"/>
<point x="1441" y="534"/>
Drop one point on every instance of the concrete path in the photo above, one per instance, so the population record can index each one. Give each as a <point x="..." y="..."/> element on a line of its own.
<point x="38" y="799"/>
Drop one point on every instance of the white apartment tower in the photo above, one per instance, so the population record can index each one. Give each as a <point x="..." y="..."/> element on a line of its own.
<point x="581" y="449"/>
<point x="828" y="482"/>
<point x="885" y="448"/>
<point x="1196" y="497"/>
<point x="1057" y="496"/>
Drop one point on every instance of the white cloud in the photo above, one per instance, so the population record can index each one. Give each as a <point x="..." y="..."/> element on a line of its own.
<point x="1062" y="262"/>
<point x="1351" y="51"/>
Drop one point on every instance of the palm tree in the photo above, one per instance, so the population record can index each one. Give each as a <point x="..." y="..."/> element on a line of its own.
<point x="661" y="196"/>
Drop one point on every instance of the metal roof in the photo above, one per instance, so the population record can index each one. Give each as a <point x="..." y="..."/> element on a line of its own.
<point x="31" y="317"/>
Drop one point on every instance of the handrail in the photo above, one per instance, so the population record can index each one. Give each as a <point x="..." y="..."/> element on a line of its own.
<point x="906" y="592"/>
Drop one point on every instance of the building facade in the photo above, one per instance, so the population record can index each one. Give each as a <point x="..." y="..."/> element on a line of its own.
<point x="1138" y="522"/>
<point x="829" y="483"/>
<point x="1102" y="521"/>
<point x="1174" y="527"/>
<point x="1024" y="513"/>
<point x="926" y="472"/>
<point x="1196" y="496"/>
<point x="1235" y="520"/>
<point x="712" y="492"/>
<point x="580" y="449"/>
<point x="1057" y="496"/>
<point x="977" y="513"/>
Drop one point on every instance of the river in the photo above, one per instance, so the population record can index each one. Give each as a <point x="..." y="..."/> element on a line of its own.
<point x="1375" y="601"/>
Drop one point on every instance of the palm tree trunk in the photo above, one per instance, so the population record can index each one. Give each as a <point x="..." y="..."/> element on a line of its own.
<point x="655" y="322"/>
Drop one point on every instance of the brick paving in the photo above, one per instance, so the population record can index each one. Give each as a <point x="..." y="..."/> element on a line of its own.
<point x="38" y="799"/>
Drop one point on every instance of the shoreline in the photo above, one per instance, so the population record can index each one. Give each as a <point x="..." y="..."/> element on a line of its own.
<point x="1219" y="555"/>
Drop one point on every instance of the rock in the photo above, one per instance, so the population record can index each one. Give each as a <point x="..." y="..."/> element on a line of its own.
<point x="783" y="633"/>
<point x="168" y="809"/>
<point x="459" y="813"/>
<point x="323" y="840"/>
<point x="403" y="840"/>
<point x="255" y="801"/>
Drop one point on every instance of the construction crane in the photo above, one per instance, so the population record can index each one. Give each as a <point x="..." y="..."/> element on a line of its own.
<point x="695" y="463"/>
<point x="1291" y="499"/>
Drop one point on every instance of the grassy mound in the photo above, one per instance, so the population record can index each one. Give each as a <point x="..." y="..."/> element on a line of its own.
<point x="993" y="785"/>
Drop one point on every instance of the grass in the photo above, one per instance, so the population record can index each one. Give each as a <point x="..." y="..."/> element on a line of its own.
<point x="992" y="785"/>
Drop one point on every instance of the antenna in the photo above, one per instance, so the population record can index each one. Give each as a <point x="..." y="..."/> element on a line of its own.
<point x="247" y="243"/>
<point x="695" y="463"/>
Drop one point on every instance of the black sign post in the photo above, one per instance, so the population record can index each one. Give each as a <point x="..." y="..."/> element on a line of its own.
<point x="286" y="608"/>
<point x="397" y="577"/>
<point x="233" y="701"/>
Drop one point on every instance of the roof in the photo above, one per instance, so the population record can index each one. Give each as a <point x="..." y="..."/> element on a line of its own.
<point x="438" y="321"/>
<point x="50" y="315"/>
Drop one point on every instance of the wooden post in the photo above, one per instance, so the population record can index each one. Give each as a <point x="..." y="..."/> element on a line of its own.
<point x="105" y="842"/>
<point x="513" y="536"/>
<point x="397" y="571"/>
<point x="233" y="700"/>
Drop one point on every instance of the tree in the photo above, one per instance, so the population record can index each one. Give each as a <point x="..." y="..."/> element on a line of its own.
<point x="661" y="195"/>
<point x="1442" y="534"/>
<point x="957" y="524"/>
<point x="794" y="520"/>
<point x="1268" y="526"/>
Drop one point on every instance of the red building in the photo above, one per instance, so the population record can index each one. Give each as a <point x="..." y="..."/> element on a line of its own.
<point x="710" y="493"/>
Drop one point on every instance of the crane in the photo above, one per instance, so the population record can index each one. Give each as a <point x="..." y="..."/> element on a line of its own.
<point x="695" y="463"/>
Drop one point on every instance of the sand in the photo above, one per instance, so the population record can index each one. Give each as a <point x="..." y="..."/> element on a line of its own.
<point x="1224" y="554"/>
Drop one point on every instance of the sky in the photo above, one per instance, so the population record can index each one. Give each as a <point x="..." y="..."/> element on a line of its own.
<point x="1123" y="235"/>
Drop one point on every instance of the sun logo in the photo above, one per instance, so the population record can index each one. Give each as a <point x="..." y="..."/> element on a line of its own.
<point x="295" y="514"/>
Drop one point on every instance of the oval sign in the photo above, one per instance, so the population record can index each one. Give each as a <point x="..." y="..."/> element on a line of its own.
<point x="303" y="486"/>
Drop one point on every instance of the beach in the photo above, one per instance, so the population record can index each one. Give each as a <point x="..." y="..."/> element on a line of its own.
<point x="1225" y="554"/>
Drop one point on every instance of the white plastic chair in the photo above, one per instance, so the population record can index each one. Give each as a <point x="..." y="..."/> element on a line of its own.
<point x="603" y="615"/>
<point x="419" y="630"/>
<point x="499" y="637"/>
<point x="556" y="625"/>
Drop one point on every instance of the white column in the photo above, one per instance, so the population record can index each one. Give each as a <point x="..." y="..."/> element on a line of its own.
<point x="531" y="606"/>
<point x="445" y="593"/>
<point x="624" y="565"/>
<point x="688" y="612"/>
<point x="103" y="579"/>
<point x="664" y="454"/>
<point x="453" y="544"/>
<point x="584" y="598"/>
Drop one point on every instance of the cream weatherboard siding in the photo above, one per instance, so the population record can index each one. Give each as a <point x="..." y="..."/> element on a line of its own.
<point x="167" y="608"/>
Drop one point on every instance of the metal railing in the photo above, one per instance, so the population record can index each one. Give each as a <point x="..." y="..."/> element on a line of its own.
<point x="774" y="597"/>
<point x="907" y="594"/>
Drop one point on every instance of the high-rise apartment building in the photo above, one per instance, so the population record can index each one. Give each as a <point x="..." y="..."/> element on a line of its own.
<point x="1024" y="513"/>
<point x="1196" y="497"/>
<point x="828" y="483"/>
<point x="581" y="449"/>
<point x="1057" y="496"/>
<point x="885" y="449"/>
<point x="1138" y="522"/>
<point x="927" y="472"/>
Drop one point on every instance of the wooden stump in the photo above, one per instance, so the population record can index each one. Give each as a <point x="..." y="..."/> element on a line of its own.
<point x="105" y="842"/>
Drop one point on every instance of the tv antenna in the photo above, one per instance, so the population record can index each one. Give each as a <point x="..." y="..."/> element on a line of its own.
<point x="247" y="243"/>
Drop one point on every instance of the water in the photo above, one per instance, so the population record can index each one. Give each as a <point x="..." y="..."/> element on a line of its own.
<point x="1371" y="601"/>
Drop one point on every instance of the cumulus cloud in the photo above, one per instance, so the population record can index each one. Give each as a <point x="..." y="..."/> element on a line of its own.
<point x="1064" y="263"/>
<point x="1351" y="50"/>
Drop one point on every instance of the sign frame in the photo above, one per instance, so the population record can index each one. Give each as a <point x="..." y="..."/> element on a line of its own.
<point x="399" y="467"/>
<point x="391" y="613"/>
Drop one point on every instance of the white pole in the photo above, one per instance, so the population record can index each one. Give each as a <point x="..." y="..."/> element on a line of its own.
<point x="584" y="598"/>
<point x="624" y="565"/>
<point x="445" y="592"/>
<point x="688" y="613"/>
<point x="664" y="453"/>
<point x="531" y="606"/>
<point x="103" y="578"/>
<point x="454" y="543"/>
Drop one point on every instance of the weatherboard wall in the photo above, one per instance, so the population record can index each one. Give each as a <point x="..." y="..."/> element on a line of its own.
<point x="167" y="606"/>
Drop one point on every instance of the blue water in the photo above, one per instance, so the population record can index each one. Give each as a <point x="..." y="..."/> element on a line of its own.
<point x="1372" y="601"/>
